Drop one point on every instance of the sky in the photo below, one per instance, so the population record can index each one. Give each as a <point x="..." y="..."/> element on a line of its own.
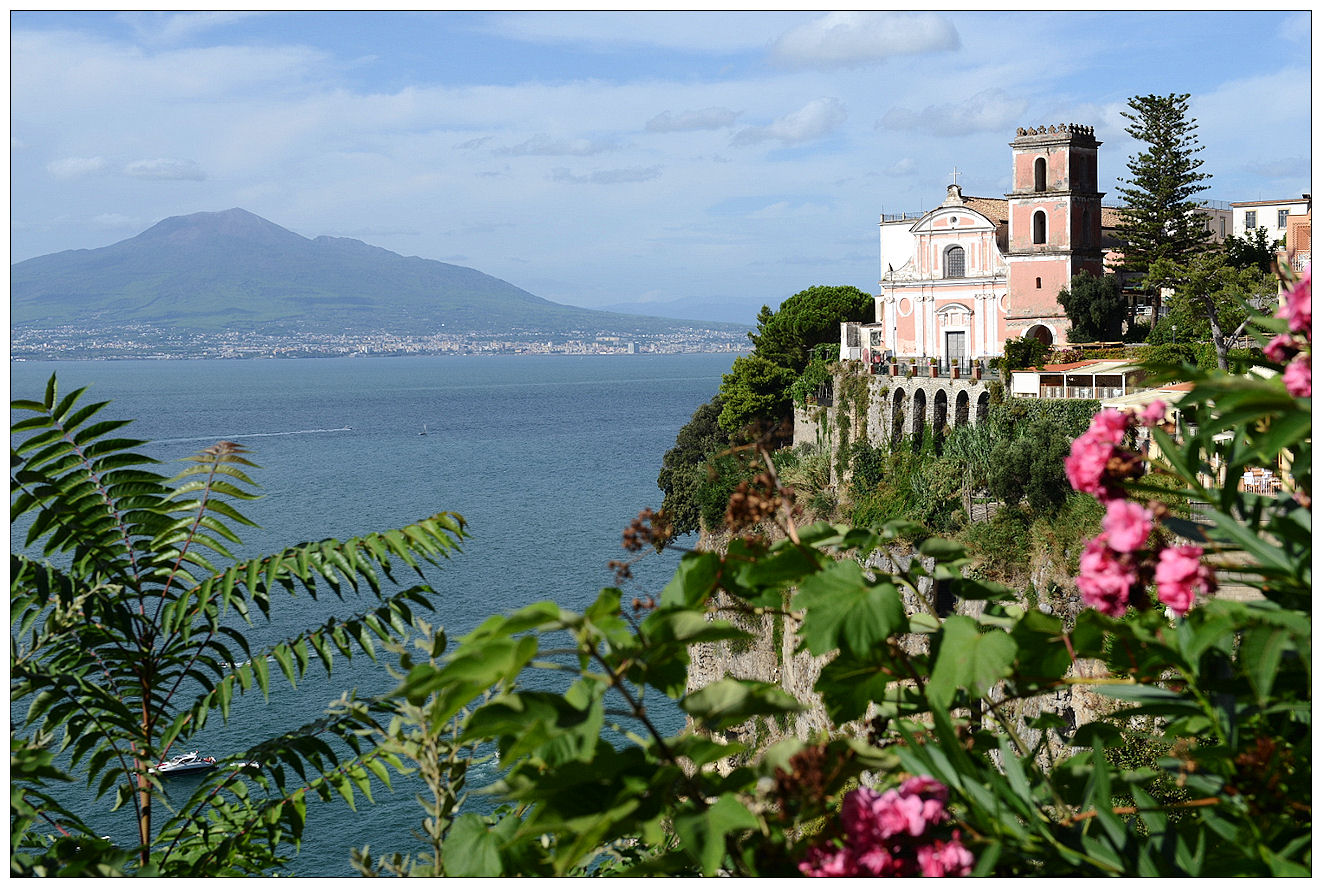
<point x="598" y="159"/>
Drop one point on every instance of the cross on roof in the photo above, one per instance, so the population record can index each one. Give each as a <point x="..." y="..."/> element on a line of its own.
<point x="954" y="175"/>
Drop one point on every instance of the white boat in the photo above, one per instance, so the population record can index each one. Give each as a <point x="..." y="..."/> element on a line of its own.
<point x="186" y="763"/>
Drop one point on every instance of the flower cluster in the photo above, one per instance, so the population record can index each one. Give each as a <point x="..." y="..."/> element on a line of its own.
<point x="1097" y="464"/>
<point x="1293" y="349"/>
<point x="1124" y="559"/>
<point x="892" y="834"/>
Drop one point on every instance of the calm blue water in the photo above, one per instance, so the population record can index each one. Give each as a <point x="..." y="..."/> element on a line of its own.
<point x="548" y="459"/>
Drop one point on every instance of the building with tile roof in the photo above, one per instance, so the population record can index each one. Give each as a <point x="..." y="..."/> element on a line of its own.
<point x="959" y="280"/>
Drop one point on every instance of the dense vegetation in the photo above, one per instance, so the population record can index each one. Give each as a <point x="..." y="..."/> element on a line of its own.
<point x="927" y="763"/>
<point x="793" y="349"/>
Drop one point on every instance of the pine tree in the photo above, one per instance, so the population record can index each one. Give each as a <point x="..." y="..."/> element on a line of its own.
<point x="1161" y="219"/>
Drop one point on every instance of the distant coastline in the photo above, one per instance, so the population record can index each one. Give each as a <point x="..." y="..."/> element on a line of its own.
<point x="142" y="342"/>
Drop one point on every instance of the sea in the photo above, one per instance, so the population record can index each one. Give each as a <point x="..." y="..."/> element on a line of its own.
<point x="547" y="458"/>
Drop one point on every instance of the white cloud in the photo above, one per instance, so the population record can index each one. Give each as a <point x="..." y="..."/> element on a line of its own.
<point x="544" y="145"/>
<point x="1296" y="27"/>
<point x="815" y="120"/>
<point x="690" y="31"/>
<point x="76" y="167"/>
<point x="706" y="119"/>
<point x="789" y="209"/>
<point x="162" y="27"/>
<point x="1280" y="168"/>
<point x="116" y="222"/>
<point x="852" y="39"/>
<point x="165" y="168"/>
<point x="607" y="177"/>
<point x="905" y="166"/>
<point x="990" y="110"/>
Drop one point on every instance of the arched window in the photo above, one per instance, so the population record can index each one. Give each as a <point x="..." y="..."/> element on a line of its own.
<point x="1039" y="283"/>
<point x="1040" y="227"/>
<point x="1040" y="174"/>
<point x="955" y="262"/>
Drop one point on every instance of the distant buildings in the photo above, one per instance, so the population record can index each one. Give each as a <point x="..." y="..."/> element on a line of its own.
<point x="1273" y="215"/>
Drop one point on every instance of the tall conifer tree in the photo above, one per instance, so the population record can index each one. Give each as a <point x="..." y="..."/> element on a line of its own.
<point x="1161" y="220"/>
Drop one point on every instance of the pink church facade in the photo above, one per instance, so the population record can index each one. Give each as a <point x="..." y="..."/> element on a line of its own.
<point x="966" y="276"/>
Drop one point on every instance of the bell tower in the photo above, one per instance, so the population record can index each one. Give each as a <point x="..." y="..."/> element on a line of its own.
<point x="1055" y="214"/>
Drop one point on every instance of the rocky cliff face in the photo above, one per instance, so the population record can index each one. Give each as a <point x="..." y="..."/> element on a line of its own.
<point x="771" y="657"/>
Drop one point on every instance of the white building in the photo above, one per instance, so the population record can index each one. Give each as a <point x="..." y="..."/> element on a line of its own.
<point x="1272" y="215"/>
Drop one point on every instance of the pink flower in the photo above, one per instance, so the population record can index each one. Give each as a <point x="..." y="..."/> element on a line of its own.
<point x="878" y="861"/>
<point x="1127" y="525"/>
<point x="945" y="858"/>
<point x="1180" y="575"/>
<point x="828" y="860"/>
<point x="934" y="795"/>
<point x="1104" y="580"/>
<point x="1282" y="348"/>
<point x="1299" y="377"/>
<point x="903" y="814"/>
<point x="888" y="834"/>
<point x="1298" y="307"/>
<point x="1085" y="466"/>
<point x="1154" y="413"/>
<point x="1110" y="425"/>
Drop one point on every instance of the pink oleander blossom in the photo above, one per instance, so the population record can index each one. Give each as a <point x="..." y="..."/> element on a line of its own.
<point x="828" y="861"/>
<point x="1105" y="578"/>
<point x="1282" y="348"/>
<point x="1127" y="525"/>
<point x="1298" y="307"/>
<point x="945" y="858"/>
<point x="890" y="834"/>
<point x="1085" y="466"/>
<point x="934" y="795"/>
<point x="1154" y="413"/>
<point x="1298" y="377"/>
<point x="1181" y="574"/>
<point x="1111" y="425"/>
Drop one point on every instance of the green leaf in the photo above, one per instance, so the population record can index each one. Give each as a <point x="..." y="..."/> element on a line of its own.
<point x="703" y="833"/>
<point x="471" y="850"/>
<point x="693" y="581"/>
<point x="941" y="549"/>
<point x="732" y="701"/>
<point x="1261" y="651"/>
<point x="843" y="610"/>
<point x="969" y="659"/>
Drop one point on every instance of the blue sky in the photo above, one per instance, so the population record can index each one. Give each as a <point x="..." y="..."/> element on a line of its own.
<point x="604" y="158"/>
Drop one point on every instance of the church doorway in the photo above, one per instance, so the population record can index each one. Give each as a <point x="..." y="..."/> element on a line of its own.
<point x="1041" y="333"/>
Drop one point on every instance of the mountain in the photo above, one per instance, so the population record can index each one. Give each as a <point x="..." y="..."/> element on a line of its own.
<point x="235" y="271"/>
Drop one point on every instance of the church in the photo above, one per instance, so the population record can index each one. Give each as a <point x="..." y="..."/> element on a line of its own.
<point x="961" y="279"/>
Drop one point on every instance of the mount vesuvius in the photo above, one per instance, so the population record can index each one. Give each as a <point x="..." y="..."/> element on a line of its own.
<point x="235" y="271"/>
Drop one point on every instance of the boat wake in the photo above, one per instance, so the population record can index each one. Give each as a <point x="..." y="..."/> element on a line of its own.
<point x="211" y="439"/>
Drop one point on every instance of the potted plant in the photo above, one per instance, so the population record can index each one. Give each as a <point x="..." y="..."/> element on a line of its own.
<point x="913" y="367"/>
<point x="931" y="367"/>
<point x="954" y="368"/>
<point x="977" y="369"/>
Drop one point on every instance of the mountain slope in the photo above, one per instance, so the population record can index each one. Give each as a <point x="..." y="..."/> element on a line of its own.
<point x="233" y="270"/>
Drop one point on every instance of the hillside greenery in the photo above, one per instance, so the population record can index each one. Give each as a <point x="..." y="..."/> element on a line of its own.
<point x="794" y="349"/>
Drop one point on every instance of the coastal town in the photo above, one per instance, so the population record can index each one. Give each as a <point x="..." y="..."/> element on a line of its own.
<point x="142" y="341"/>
